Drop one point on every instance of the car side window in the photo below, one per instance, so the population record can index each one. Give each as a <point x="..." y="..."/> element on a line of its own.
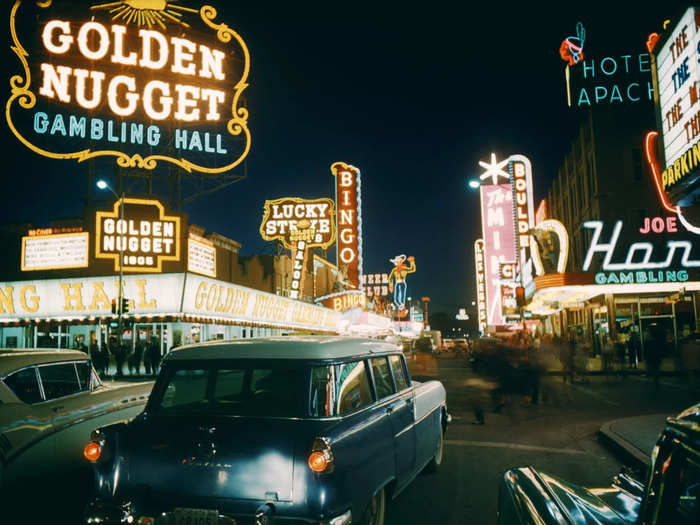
<point x="399" y="372"/>
<point x="680" y="490"/>
<point x="321" y="399"/>
<point x="382" y="377"/>
<point x="186" y="387"/>
<point x="352" y="386"/>
<point x="59" y="380"/>
<point x="229" y="385"/>
<point x="84" y="375"/>
<point x="25" y="385"/>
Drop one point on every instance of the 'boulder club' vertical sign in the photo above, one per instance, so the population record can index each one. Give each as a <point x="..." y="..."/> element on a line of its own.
<point x="349" y="221"/>
<point x="143" y="82"/>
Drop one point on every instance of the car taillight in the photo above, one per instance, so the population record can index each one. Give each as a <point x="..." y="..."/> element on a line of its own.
<point x="321" y="457"/>
<point x="92" y="451"/>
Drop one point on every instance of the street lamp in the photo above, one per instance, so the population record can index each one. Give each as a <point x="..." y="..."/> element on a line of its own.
<point x="102" y="184"/>
<point x="474" y="184"/>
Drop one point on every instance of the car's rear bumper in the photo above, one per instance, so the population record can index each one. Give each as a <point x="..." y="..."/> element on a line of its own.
<point x="111" y="511"/>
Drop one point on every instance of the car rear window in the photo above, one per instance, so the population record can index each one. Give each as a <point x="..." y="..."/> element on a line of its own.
<point x="234" y="390"/>
<point x="59" y="380"/>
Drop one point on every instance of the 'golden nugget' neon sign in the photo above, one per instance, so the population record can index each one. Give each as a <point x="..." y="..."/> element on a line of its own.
<point x="135" y="81"/>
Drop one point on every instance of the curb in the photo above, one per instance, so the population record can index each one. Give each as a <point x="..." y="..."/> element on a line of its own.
<point x="624" y="450"/>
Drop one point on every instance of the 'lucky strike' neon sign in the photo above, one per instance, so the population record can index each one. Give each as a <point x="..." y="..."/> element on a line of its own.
<point x="131" y="82"/>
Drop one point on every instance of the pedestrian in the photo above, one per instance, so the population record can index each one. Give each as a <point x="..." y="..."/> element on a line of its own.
<point x="607" y="356"/>
<point x="633" y="347"/>
<point x="690" y="358"/>
<point x="119" y="353"/>
<point x="570" y="355"/>
<point x="138" y="356"/>
<point x="654" y="352"/>
<point x="154" y="354"/>
<point x="96" y="356"/>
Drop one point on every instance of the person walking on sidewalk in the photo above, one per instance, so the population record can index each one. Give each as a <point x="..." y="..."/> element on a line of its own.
<point x="655" y="351"/>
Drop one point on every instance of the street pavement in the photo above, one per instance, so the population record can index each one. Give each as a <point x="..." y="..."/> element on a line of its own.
<point x="559" y="436"/>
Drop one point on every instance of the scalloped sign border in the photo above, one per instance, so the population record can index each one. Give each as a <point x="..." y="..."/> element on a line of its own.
<point x="238" y="123"/>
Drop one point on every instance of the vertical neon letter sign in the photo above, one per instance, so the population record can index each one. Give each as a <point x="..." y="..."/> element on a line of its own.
<point x="349" y="220"/>
<point x="480" y="283"/>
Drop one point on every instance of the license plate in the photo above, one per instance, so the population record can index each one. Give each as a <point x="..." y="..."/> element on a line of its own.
<point x="196" y="516"/>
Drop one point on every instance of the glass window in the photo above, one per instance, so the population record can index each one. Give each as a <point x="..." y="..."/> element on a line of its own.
<point x="272" y="391"/>
<point x="382" y="377"/>
<point x="229" y="385"/>
<point x="186" y="387"/>
<point x="25" y="385"/>
<point x="84" y="375"/>
<point x="399" y="373"/>
<point x="352" y="386"/>
<point x="321" y="400"/>
<point x="59" y="380"/>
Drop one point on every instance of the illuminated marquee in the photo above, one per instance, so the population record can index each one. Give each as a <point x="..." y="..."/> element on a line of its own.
<point x="498" y="227"/>
<point x="677" y="75"/>
<point x="201" y="256"/>
<point x="146" y="236"/>
<point x="299" y="224"/>
<point x="643" y="262"/>
<point x="349" y="219"/>
<point x="343" y="301"/>
<point x="132" y="82"/>
<point x="55" y="251"/>
<point x="523" y="206"/>
<point x="480" y="283"/>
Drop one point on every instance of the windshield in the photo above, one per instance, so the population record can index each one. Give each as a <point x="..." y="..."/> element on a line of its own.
<point x="234" y="389"/>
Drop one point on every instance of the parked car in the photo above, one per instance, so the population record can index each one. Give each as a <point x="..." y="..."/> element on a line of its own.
<point x="670" y="495"/>
<point x="314" y="429"/>
<point x="50" y="401"/>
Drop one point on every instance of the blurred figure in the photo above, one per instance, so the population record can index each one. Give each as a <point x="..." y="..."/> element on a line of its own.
<point x="154" y="354"/>
<point x="117" y="351"/>
<point x="654" y="351"/>
<point x="607" y="356"/>
<point x="690" y="358"/>
<point x="97" y="359"/>
<point x="138" y="357"/>
<point x="633" y="347"/>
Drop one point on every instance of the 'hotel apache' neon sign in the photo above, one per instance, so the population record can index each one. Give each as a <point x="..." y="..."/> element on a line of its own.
<point x="133" y="81"/>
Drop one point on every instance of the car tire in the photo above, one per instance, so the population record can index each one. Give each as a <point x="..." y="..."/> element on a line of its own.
<point x="376" y="510"/>
<point x="434" y="464"/>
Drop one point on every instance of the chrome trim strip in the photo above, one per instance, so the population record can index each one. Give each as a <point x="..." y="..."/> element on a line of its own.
<point x="419" y="420"/>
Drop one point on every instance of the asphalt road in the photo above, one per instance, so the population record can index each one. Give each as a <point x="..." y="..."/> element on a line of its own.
<point x="557" y="436"/>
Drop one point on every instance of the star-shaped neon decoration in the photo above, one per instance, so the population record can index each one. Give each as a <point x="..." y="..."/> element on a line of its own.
<point x="494" y="170"/>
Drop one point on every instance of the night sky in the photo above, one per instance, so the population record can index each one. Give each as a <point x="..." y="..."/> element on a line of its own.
<point x="412" y="94"/>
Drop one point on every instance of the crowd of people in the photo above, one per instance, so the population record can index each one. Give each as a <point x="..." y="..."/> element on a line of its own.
<point x="523" y="366"/>
<point x="144" y="352"/>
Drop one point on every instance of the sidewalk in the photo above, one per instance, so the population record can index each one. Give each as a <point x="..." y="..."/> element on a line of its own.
<point x="634" y="437"/>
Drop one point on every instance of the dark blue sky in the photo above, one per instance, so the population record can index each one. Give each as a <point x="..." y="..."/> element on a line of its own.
<point x="412" y="94"/>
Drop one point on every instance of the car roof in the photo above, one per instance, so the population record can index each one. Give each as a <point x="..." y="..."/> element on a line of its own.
<point x="292" y="347"/>
<point x="12" y="359"/>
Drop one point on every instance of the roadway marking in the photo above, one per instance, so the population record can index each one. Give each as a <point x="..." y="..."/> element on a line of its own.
<point x="495" y="444"/>
<point x="596" y="395"/>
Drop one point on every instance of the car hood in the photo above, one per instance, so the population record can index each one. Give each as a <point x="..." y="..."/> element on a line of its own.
<point x="552" y="499"/>
<point x="215" y="457"/>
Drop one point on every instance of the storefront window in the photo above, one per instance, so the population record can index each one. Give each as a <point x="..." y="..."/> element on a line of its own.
<point x="655" y="307"/>
<point x="685" y="318"/>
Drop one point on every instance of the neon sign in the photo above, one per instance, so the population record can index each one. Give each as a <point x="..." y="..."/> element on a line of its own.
<point x="146" y="236"/>
<point x="552" y="247"/>
<point x="523" y="206"/>
<point x="659" y="225"/>
<point x="571" y="48"/>
<point x="132" y="82"/>
<point x="397" y="281"/>
<point x="632" y="260"/>
<point x="498" y="228"/>
<point x="349" y="221"/>
<point x="480" y="283"/>
<point x="299" y="224"/>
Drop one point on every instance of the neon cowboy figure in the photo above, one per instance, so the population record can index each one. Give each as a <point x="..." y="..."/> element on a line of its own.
<point x="397" y="280"/>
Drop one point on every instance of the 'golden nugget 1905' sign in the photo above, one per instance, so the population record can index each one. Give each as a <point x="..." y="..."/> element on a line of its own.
<point x="142" y="81"/>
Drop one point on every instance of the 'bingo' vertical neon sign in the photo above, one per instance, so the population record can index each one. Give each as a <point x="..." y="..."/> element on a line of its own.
<point x="349" y="221"/>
